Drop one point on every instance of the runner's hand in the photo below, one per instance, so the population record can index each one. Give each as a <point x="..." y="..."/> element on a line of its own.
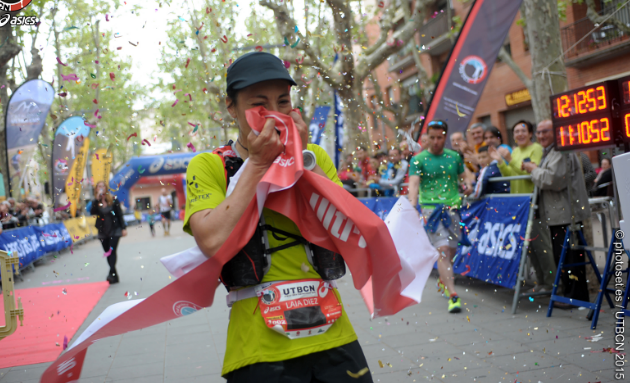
<point x="124" y="232"/>
<point x="301" y="127"/>
<point x="266" y="147"/>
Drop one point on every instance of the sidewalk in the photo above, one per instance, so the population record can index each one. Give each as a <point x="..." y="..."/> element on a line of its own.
<point x="484" y="343"/>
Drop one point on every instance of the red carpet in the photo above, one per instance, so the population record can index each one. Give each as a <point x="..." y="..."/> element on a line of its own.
<point x="49" y="315"/>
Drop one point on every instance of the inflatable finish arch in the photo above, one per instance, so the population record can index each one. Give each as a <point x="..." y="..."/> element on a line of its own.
<point x="138" y="167"/>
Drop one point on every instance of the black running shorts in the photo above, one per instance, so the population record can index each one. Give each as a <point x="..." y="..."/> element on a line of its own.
<point x="330" y="366"/>
<point x="166" y="214"/>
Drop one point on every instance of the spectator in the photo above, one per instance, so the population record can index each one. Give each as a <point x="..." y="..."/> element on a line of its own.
<point x="526" y="151"/>
<point x="365" y="169"/>
<point x="588" y="171"/>
<point x="489" y="169"/>
<point x="553" y="177"/>
<point x="605" y="165"/>
<point x="424" y="142"/>
<point x="493" y="137"/>
<point x="604" y="181"/>
<point x="394" y="175"/>
<point x="541" y="250"/>
<point x="407" y="153"/>
<point x="476" y="131"/>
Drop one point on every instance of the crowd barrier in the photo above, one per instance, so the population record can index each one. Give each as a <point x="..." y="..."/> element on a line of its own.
<point x="499" y="228"/>
<point x="496" y="227"/>
<point x="33" y="242"/>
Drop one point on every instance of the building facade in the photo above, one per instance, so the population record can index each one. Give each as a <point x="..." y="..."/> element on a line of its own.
<point x="591" y="54"/>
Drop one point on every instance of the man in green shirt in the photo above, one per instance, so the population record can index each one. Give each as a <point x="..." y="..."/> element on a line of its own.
<point x="437" y="173"/>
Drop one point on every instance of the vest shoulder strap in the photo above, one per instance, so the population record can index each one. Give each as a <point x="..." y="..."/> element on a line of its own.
<point x="231" y="162"/>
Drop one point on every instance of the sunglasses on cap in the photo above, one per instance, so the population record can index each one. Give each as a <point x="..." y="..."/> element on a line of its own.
<point x="436" y="123"/>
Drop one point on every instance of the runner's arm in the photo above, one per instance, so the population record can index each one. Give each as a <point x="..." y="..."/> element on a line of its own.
<point x="414" y="185"/>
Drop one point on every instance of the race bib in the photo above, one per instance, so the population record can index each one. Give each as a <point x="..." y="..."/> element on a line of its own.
<point x="299" y="309"/>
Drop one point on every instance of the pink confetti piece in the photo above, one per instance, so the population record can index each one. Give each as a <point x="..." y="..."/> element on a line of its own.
<point x="109" y="252"/>
<point x="50" y="235"/>
<point x="147" y="141"/>
<point x="96" y="113"/>
<point x="71" y="181"/>
<point x="106" y="17"/>
<point x="187" y="62"/>
<point x="191" y="124"/>
<point x="224" y="39"/>
<point x="59" y="61"/>
<point x="89" y="125"/>
<point x="95" y="101"/>
<point x="71" y="249"/>
<point x="467" y="270"/>
<point x="65" y="342"/>
<point x="177" y="90"/>
<point x="63" y="94"/>
<point x="70" y="77"/>
<point x="189" y="95"/>
<point x="191" y="146"/>
<point x="112" y="76"/>
<point x="132" y="135"/>
<point x="96" y="154"/>
<point x="154" y="138"/>
<point x="60" y="208"/>
<point x="175" y="103"/>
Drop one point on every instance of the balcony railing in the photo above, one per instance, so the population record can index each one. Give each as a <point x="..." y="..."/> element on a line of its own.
<point x="434" y="28"/>
<point x="594" y="38"/>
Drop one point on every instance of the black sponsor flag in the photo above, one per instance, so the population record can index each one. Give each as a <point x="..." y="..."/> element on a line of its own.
<point x="468" y="67"/>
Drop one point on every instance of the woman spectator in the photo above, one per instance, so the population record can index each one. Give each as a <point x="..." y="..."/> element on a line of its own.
<point x="526" y="151"/>
<point x="110" y="225"/>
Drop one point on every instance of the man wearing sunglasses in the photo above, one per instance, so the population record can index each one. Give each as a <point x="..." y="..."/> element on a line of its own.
<point x="437" y="174"/>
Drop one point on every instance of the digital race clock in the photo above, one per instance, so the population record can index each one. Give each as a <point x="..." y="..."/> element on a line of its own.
<point x="583" y="118"/>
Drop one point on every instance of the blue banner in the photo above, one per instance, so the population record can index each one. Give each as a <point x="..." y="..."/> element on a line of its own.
<point x="34" y="242"/>
<point x="496" y="228"/>
<point x="318" y="123"/>
<point x="137" y="167"/>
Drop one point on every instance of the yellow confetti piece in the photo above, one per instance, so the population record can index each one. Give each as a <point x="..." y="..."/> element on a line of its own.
<point x="468" y="318"/>
<point x="359" y="374"/>
<point x="380" y="364"/>
<point x="574" y="277"/>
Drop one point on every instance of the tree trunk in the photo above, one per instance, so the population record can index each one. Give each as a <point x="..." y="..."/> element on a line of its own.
<point x="548" y="70"/>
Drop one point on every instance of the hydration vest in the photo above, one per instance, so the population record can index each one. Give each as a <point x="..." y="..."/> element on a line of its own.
<point x="252" y="262"/>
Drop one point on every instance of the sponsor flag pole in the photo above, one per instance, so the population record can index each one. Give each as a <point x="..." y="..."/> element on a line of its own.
<point x="470" y="62"/>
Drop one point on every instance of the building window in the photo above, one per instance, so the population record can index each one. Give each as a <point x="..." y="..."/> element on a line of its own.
<point x="143" y="203"/>
<point x="414" y="92"/>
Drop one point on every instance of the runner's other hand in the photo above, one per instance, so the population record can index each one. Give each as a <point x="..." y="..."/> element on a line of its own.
<point x="301" y="127"/>
<point x="266" y="147"/>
